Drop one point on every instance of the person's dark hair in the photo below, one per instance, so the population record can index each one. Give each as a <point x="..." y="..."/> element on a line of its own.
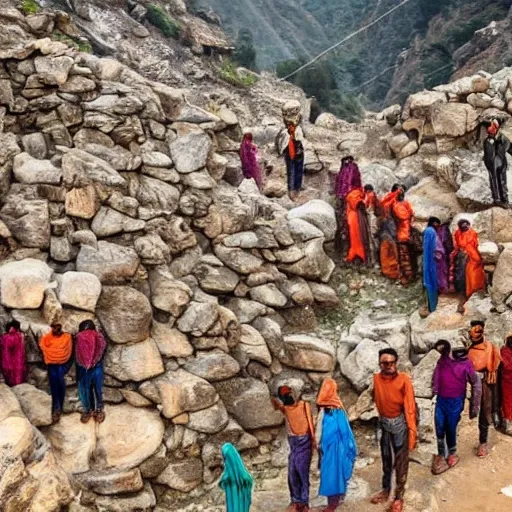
<point x="474" y="323"/>
<point x="463" y="221"/>
<point x="459" y="353"/>
<point x="433" y="220"/>
<point x="13" y="324"/>
<point x="86" y="325"/>
<point x="388" y="351"/>
<point x="285" y="395"/>
<point x="395" y="187"/>
<point x="368" y="188"/>
<point x="444" y="347"/>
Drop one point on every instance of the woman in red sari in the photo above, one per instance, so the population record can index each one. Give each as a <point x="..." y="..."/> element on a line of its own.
<point x="506" y="384"/>
<point x="12" y="354"/>
<point x="359" y="242"/>
<point x="467" y="269"/>
<point x="249" y="159"/>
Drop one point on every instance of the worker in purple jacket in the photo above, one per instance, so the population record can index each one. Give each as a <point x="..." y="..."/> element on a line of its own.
<point x="453" y="372"/>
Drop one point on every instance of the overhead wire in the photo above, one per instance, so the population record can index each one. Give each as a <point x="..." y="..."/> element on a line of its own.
<point x="343" y="41"/>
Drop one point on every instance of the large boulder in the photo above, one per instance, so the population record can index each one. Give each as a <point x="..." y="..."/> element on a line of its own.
<point x="502" y="279"/>
<point x="454" y="119"/>
<point x="23" y="283"/>
<point x="36" y="404"/>
<point x="190" y="152"/>
<point x="109" y="222"/>
<point x="215" y="279"/>
<point x="170" y="341"/>
<point x="209" y="421"/>
<point x="198" y="318"/>
<point x="308" y="353"/>
<point x="184" y="475"/>
<point x="125" y="314"/>
<point x="111" y="263"/>
<point x="252" y="347"/>
<point x="248" y="401"/>
<point x="135" y="361"/>
<point x="213" y="366"/>
<point x="79" y="290"/>
<point x="167" y="293"/>
<point x="319" y="213"/>
<point x="422" y="375"/>
<point x="32" y="171"/>
<point x="111" y="482"/>
<point x="381" y="177"/>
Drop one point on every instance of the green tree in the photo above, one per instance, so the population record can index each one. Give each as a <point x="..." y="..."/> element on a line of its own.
<point x="245" y="53"/>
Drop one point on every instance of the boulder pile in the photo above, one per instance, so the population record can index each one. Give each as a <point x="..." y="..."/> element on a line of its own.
<point x="113" y="207"/>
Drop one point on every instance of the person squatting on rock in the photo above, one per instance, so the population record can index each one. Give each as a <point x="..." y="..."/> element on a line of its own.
<point x="13" y="362"/>
<point x="57" y="349"/>
<point x="89" y="350"/>
<point x="251" y="168"/>
<point x="486" y="360"/>
<point x="301" y="439"/>
<point x="394" y="398"/>
<point x="453" y="372"/>
<point x="236" y="481"/>
<point x="371" y="203"/>
<point x="505" y="378"/>
<point x="337" y="446"/>
<point x="467" y="275"/>
<point x="496" y="147"/>
<point x="294" y="159"/>
<point x="433" y="252"/>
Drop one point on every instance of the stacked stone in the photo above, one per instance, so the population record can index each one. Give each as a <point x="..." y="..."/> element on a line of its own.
<point x="113" y="208"/>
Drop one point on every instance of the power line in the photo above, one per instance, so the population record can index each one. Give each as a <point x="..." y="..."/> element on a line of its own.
<point x="373" y="79"/>
<point x="343" y="41"/>
<point x="438" y="69"/>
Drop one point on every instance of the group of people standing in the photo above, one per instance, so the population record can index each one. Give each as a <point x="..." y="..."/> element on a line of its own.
<point x="59" y="352"/>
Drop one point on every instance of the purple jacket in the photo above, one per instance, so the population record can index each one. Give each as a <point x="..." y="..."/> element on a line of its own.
<point x="451" y="378"/>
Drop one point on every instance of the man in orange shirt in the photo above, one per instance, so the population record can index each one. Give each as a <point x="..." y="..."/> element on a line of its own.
<point x="57" y="347"/>
<point x="486" y="359"/>
<point x="394" y="397"/>
<point x="301" y="438"/>
<point x="358" y="230"/>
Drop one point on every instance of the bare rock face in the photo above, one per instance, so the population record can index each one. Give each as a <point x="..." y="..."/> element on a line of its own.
<point x="23" y="283"/>
<point x="319" y="214"/>
<point x="125" y="314"/>
<point x="80" y="290"/>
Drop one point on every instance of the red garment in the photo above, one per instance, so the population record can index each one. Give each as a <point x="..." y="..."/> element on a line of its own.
<point x="89" y="348"/>
<point x="370" y="200"/>
<point x="291" y="142"/>
<point x="403" y="213"/>
<point x="328" y="395"/>
<point x="353" y="201"/>
<point x="12" y="357"/>
<point x="467" y="241"/>
<point x="388" y="202"/>
<point x="506" y="382"/>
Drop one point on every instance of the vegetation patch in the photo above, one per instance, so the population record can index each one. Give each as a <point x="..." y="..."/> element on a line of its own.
<point x="229" y="72"/>
<point x="30" y="6"/>
<point x="82" y="46"/>
<point x="159" y="18"/>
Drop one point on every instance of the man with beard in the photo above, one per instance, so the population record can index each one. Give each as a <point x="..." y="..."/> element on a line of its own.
<point x="496" y="147"/>
<point x="467" y="273"/>
<point x="486" y="360"/>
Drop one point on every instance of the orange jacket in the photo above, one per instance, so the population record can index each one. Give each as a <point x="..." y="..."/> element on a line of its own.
<point x="486" y="357"/>
<point x="395" y="396"/>
<point x="403" y="213"/>
<point x="388" y="201"/>
<point x="299" y="419"/>
<point x="56" y="349"/>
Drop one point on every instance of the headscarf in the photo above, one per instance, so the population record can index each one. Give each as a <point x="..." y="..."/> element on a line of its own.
<point x="328" y="395"/>
<point x="90" y="346"/>
<point x="235" y="481"/>
<point x="348" y="179"/>
<point x="291" y="142"/>
<point x="494" y="128"/>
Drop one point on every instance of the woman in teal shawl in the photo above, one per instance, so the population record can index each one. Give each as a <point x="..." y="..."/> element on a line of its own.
<point x="337" y="446"/>
<point x="235" y="481"/>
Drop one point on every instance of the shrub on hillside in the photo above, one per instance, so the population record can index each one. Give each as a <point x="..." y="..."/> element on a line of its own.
<point x="159" y="18"/>
<point x="30" y="6"/>
<point x="229" y="72"/>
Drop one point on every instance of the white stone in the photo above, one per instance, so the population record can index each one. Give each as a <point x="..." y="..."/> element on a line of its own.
<point x="80" y="290"/>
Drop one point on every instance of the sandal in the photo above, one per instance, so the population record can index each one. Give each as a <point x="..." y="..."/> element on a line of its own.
<point x="439" y="465"/>
<point x="380" y="497"/>
<point x="396" y="506"/>
<point x="99" y="416"/>
<point x="453" y="460"/>
<point x="85" y="417"/>
<point x="482" y="451"/>
<point x="56" y="417"/>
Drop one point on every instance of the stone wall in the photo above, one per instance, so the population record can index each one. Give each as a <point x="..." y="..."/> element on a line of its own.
<point x="113" y="208"/>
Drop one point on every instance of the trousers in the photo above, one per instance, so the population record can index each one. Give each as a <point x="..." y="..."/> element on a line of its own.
<point x="90" y="387"/>
<point x="295" y="174"/>
<point x="395" y="453"/>
<point x="447" y="417"/>
<point x="299" y="463"/>
<point x="56" y="374"/>
<point x="498" y="183"/>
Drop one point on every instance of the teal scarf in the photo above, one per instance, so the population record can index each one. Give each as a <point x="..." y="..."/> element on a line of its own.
<point x="235" y="481"/>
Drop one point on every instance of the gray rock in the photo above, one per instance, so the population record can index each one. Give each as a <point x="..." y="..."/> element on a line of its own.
<point x="167" y="293"/>
<point x="190" y="152"/>
<point x="144" y="500"/>
<point x="61" y="249"/>
<point x="134" y="362"/>
<point x="269" y="295"/>
<point x="125" y="314"/>
<point x="111" y="482"/>
<point x="324" y="294"/>
<point x="248" y="401"/>
<point x="31" y="171"/>
<point x="252" y="347"/>
<point x="108" y="222"/>
<point x="156" y="159"/>
<point x="157" y="197"/>
<point x="213" y="366"/>
<point x="57" y="68"/>
<point x="303" y="231"/>
<point x="35" y="145"/>
<point x="238" y="260"/>
<point x="152" y="250"/>
<point x="79" y="290"/>
<point x="111" y="263"/>
<point x="209" y="421"/>
<point x="422" y="375"/>
<point x="308" y="353"/>
<point x="124" y="204"/>
<point x="200" y="180"/>
<point x="35" y="404"/>
<point x="215" y="279"/>
<point x="171" y="342"/>
<point x="117" y="157"/>
<point x="183" y="475"/>
<point x="502" y="279"/>
<point x="198" y="318"/>
<point x="318" y="213"/>
<point x="8" y="147"/>
<point x="381" y="177"/>
<point x="246" y="310"/>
